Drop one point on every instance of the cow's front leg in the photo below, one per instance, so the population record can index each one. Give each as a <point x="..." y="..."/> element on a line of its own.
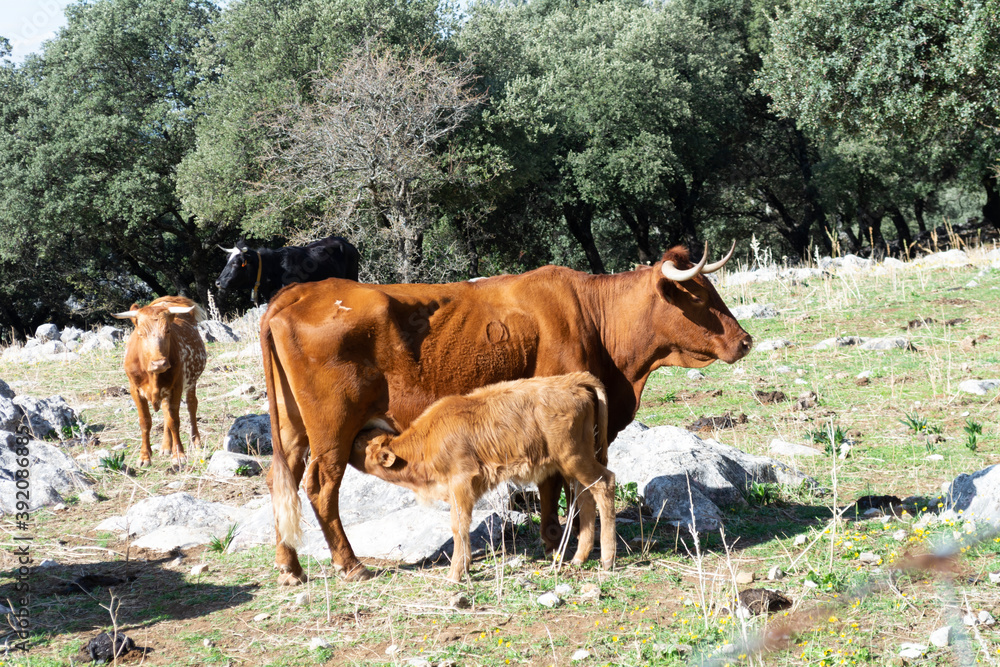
<point x="323" y="478"/>
<point x="548" y="498"/>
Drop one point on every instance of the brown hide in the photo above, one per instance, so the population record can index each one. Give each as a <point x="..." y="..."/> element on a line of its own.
<point x="522" y="431"/>
<point x="339" y="354"/>
<point x="164" y="358"/>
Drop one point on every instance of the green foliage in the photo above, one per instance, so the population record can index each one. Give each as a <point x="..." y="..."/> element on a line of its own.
<point x="244" y="471"/>
<point x="973" y="432"/>
<point x="220" y="544"/>
<point x="114" y="462"/>
<point x="627" y="494"/>
<point x="760" y="494"/>
<point x="831" y="438"/>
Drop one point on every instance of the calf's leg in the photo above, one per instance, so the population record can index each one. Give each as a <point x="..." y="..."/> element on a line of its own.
<point x="462" y="503"/>
<point x="585" y="542"/>
<point x="145" y="424"/>
<point x="192" y="405"/>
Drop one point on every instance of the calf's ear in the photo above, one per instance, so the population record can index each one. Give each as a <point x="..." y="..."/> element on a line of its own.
<point x="385" y="458"/>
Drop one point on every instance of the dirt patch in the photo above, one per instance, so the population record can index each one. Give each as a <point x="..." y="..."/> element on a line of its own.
<point x="114" y="392"/>
<point x="951" y="301"/>
<point x="770" y="397"/>
<point x="927" y="321"/>
<point x="714" y="423"/>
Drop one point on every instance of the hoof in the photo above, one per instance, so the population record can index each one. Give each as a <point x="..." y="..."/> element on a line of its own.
<point x="289" y="579"/>
<point x="576" y="563"/>
<point x="608" y="564"/>
<point x="359" y="573"/>
<point x="180" y="461"/>
<point x="145" y="463"/>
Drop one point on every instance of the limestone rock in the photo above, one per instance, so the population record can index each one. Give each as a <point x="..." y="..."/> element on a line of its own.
<point x="978" y="387"/>
<point x="782" y="448"/>
<point x="200" y="518"/>
<point x="249" y="434"/>
<point x="754" y="311"/>
<point x="977" y="495"/>
<point x="662" y="461"/>
<point x="772" y="344"/>
<point x="48" y="416"/>
<point x="53" y="474"/>
<point x="214" y="331"/>
<point x="46" y="333"/>
<point x="226" y="464"/>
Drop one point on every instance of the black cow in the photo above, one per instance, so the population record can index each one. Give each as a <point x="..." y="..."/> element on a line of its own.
<point x="266" y="270"/>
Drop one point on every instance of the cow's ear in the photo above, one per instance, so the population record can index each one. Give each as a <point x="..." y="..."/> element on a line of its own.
<point x="668" y="290"/>
<point x="385" y="457"/>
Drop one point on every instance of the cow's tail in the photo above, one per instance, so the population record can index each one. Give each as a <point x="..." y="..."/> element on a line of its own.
<point x="284" y="489"/>
<point x="600" y="417"/>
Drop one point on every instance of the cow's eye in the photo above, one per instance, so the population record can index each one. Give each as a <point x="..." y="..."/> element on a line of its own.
<point x="696" y="299"/>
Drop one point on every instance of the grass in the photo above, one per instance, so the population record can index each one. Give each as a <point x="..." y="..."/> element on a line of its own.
<point x="668" y="603"/>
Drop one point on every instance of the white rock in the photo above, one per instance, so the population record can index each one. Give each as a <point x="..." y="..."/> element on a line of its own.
<point x="391" y="649"/>
<point x="695" y="374"/>
<point x="985" y="618"/>
<point x="978" y="495"/>
<point x="995" y="577"/>
<point x="800" y="381"/>
<point x="261" y="617"/>
<point x="783" y="448"/>
<point x="225" y="464"/>
<point x="48" y="562"/>
<point x="754" y="311"/>
<point x="580" y="654"/>
<point x="775" y="573"/>
<point x="941" y="636"/>
<point x="899" y="535"/>
<point x="317" y="643"/>
<point x="971" y="284"/>
<point x="772" y="344"/>
<point x="934" y="457"/>
<point x="88" y="497"/>
<point x="809" y="583"/>
<point x="549" y="600"/>
<point x="912" y="651"/>
<point x="863" y="375"/>
<point x="199" y="569"/>
<point x="800" y="540"/>
<point x="868" y="558"/>
<point x="978" y="387"/>
<point x="783" y="370"/>
<point x="47" y="332"/>
<point x="302" y="599"/>
<point x="564" y="590"/>
<point x="953" y="257"/>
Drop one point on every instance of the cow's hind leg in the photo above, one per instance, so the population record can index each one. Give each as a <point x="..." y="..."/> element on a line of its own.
<point x="294" y="444"/>
<point x="548" y="500"/>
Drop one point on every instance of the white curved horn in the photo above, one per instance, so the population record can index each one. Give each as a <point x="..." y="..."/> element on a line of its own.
<point x="671" y="272"/>
<point x="127" y="315"/>
<point x="180" y="310"/>
<point x="715" y="266"/>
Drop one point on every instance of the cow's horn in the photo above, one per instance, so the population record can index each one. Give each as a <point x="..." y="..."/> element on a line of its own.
<point x="127" y="315"/>
<point x="180" y="310"/>
<point x="229" y="250"/>
<point x="715" y="266"/>
<point x="671" y="272"/>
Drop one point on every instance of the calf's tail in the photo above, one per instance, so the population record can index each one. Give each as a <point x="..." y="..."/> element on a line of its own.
<point x="284" y="489"/>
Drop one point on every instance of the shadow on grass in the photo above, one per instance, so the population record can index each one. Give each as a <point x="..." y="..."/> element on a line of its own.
<point x="92" y="597"/>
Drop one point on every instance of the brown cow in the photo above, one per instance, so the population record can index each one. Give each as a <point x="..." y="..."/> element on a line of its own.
<point x="522" y="431"/>
<point x="164" y="358"/>
<point x="339" y="354"/>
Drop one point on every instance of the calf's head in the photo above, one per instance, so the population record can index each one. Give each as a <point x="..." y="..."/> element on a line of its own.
<point x="690" y="319"/>
<point x="152" y="334"/>
<point x="372" y="451"/>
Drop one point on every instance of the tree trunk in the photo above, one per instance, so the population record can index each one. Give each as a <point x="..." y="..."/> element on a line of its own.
<point x="991" y="209"/>
<point x="902" y="229"/>
<point x="638" y="224"/>
<point x="871" y="228"/>
<point x="918" y="213"/>
<point x="579" y="218"/>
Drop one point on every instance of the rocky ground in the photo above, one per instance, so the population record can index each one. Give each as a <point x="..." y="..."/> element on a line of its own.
<point x="861" y="401"/>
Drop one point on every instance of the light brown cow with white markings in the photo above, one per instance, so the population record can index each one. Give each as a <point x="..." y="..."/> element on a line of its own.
<point x="164" y="358"/>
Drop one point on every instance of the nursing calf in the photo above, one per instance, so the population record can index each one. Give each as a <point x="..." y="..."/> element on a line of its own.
<point x="522" y="431"/>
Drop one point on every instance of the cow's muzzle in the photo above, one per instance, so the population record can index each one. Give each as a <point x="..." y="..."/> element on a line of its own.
<point x="158" y="366"/>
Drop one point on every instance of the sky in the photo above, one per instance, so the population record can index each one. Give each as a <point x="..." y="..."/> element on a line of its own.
<point x="27" y="23"/>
